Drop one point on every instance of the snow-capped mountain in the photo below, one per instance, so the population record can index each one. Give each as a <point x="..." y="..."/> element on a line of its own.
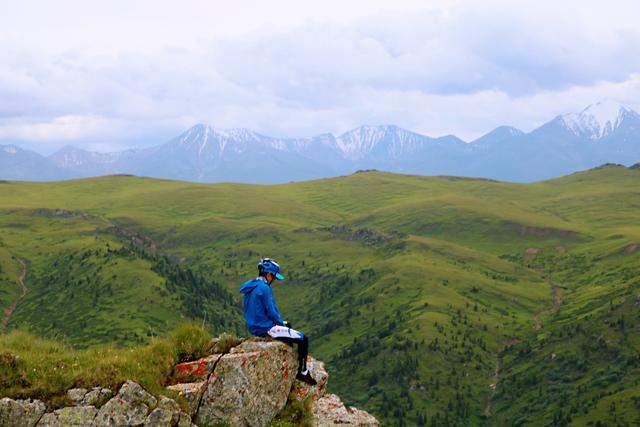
<point x="599" y="120"/>
<point x="603" y="132"/>
<point x="389" y="141"/>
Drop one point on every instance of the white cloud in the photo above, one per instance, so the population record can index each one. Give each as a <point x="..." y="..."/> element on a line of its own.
<point x="64" y="128"/>
<point x="119" y="74"/>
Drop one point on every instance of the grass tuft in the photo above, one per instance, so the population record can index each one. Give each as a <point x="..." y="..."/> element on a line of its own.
<point x="295" y="413"/>
<point x="225" y="343"/>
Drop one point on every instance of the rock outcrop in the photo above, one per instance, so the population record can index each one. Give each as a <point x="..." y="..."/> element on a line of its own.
<point x="246" y="386"/>
<point x="249" y="385"/>
<point x="329" y="410"/>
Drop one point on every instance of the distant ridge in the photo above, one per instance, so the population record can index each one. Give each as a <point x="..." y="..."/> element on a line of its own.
<point x="604" y="132"/>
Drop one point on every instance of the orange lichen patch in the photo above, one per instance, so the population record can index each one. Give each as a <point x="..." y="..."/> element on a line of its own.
<point x="200" y="368"/>
<point x="242" y="359"/>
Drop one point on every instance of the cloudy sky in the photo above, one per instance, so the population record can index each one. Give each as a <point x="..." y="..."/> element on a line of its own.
<point x="114" y="74"/>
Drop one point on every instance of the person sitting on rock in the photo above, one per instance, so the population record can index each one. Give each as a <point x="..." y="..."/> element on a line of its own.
<point x="264" y="319"/>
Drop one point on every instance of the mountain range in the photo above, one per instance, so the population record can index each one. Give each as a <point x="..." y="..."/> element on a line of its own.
<point x="604" y="132"/>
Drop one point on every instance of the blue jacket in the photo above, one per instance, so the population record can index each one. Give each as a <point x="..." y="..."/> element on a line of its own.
<point x="260" y="309"/>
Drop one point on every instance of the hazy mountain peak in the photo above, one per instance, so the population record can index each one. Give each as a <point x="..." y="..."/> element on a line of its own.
<point x="498" y="134"/>
<point x="70" y="149"/>
<point x="201" y="134"/>
<point x="597" y="120"/>
<point x="507" y="131"/>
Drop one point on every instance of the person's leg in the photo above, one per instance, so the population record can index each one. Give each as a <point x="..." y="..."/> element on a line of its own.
<point x="290" y="336"/>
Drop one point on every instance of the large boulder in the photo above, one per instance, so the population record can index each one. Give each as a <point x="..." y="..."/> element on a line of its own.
<point x="129" y="408"/>
<point x="70" y="416"/>
<point x="20" y="413"/>
<point x="250" y="385"/>
<point x="329" y="411"/>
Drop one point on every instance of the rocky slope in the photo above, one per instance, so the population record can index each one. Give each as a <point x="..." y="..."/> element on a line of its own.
<point x="248" y="385"/>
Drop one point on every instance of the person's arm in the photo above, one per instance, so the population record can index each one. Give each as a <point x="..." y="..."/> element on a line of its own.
<point x="272" y="309"/>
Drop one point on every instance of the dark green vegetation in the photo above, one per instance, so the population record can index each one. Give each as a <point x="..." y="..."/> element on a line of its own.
<point x="419" y="293"/>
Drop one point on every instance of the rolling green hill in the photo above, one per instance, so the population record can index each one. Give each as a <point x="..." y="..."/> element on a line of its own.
<point x="434" y="300"/>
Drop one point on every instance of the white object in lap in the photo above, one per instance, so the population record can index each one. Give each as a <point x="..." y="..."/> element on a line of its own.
<point x="284" y="332"/>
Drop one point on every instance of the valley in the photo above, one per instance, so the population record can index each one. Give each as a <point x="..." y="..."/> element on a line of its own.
<point x="433" y="300"/>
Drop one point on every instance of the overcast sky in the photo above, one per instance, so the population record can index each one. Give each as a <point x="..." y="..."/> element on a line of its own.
<point x="105" y="75"/>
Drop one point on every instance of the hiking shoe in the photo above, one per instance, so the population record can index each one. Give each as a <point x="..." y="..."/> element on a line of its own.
<point x="306" y="378"/>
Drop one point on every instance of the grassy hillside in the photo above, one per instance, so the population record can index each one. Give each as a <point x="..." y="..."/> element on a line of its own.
<point x="434" y="300"/>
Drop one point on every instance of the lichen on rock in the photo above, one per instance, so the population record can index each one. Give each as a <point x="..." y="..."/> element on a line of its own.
<point x="129" y="408"/>
<point x="69" y="416"/>
<point x="84" y="397"/>
<point x="167" y="414"/>
<point x="249" y="385"/>
<point x="20" y="413"/>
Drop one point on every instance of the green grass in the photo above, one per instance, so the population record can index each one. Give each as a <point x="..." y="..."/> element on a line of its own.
<point x="411" y="288"/>
<point x="10" y="270"/>
<point x="45" y="369"/>
<point x="295" y="413"/>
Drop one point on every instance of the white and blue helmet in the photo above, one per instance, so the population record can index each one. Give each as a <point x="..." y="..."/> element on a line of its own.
<point x="267" y="265"/>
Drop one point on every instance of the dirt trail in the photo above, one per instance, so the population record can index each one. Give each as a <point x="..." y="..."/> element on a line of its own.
<point x="557" y="297"/>
<point x="8" y="312"/>
<point x="557" y="300"/>
<point x="494" y="387"/>
<point x="537" y="322"/>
